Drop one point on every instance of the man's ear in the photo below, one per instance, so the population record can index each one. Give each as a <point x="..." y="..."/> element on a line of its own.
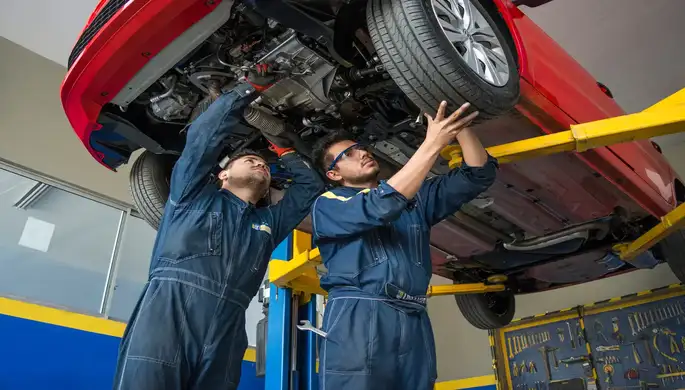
<point x="223" y="175"/>
<point x="333" y="176"/>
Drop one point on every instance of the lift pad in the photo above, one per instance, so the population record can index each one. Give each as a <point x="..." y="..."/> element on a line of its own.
<point x="663" y="118"/>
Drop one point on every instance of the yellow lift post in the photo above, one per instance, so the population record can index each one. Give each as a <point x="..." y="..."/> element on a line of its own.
<point x="663" y="118"/>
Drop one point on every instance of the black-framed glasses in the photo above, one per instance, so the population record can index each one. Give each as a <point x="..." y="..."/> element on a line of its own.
<point x="348" y="153"/>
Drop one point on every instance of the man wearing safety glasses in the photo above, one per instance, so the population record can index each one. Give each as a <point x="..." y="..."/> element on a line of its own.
<point x="374" y="240"/>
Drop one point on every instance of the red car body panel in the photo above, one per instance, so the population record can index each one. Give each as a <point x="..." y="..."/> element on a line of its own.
<point x="540" y="196"/>
<point x="139" y="30"/>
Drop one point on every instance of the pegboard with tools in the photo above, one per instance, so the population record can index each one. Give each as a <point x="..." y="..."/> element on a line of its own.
<point x="632" y="342"/>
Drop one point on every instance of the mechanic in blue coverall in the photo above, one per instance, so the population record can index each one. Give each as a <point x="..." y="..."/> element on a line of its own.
<point x="210" y="256"/>
<point x="374" y="241"/>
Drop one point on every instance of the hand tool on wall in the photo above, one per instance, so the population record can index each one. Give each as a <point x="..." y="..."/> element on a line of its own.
<point x="631" y="374"/>
<point x="554" y="356"/>
<point x="648" y="349"/>
<point x="673" y="344"/>
<point x="545" y="361"/>
<point x="573" y="343"/>
<point x="599" y="334"/>
<point x="580" y="336"/>
<point x="511" y="350"/>
<point x="515" y="370"/>
<point x="532" y="368"/>
<point x="632" y="326"/>
<point x="605" y="348"/>
<point x="638" y="327"/>
<point x="643" y="319"/>
<point x="609" y="371"/>
<point x="636" y="354"/>
<point x="574" y="359"/>
<point x="656" y="346"/>
<point x="525" y="341"/>
<point x="517" y="345"/>
<point x="616" y="333"/>
<point x="560" y="333"/>
<point x="652" y="318"/>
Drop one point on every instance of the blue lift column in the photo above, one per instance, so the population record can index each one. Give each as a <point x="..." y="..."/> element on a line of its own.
<point x="306" y="341"/>
<point x="278" y="343"/>
<point x="285" y="369"/>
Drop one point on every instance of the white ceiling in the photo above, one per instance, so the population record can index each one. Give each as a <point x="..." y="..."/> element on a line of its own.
<point x="47" y="27"/>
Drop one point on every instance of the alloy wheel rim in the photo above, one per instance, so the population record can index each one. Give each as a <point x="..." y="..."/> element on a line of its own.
<point x="474" y="39"/>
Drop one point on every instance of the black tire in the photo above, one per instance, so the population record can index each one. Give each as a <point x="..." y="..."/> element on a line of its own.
<point x="149" y="185"/>
<point x="487" y="311"/>
<point x="427" y="67"/>
<point x="672" y="250"/>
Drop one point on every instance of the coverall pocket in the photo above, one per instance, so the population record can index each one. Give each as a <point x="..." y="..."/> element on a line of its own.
<point x="195" y="233"/>
<point x="155" y="341"/>
<point x="351" y="329"/>
<point x="418" y="238"/>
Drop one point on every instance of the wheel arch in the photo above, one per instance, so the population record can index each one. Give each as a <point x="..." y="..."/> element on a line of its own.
<point x="679" y="188"/>
<point x="507" y="12"/>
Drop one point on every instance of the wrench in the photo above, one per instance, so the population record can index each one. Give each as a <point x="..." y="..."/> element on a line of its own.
<point x="632" y="327"/>
<point x="307" y="326"/>
<point x="603" y="348"/>
<point x="651" y="317"/>
<point x="637" y="323"/>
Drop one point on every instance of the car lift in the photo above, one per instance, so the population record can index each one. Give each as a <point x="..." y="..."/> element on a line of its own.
<point x="291" y="356"/>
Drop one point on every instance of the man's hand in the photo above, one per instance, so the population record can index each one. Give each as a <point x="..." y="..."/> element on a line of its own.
<point x="262" y="76"/>
<point x="443" y="130"/>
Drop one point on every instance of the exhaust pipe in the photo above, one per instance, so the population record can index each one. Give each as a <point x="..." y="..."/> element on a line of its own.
<point x="567" y="234"/>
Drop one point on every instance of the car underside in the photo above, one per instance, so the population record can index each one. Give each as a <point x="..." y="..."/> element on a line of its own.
<point x="367" y="68"/>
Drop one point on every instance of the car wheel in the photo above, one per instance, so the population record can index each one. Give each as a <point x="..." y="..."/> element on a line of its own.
<point x="672" y="249"/>
<point x="489" y="310"/>
<point x="149" y="185"/>
<point x="453" y="50"/>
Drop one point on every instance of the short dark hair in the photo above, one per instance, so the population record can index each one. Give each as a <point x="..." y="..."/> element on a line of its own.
<point x="320" y="150"/>
<point x="243" y="153"/>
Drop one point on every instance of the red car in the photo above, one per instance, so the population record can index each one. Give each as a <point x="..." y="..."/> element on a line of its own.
<point x="143" y="69"/>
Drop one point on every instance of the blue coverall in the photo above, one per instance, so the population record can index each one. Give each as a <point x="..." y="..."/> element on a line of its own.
<point x="375" y="245"/>
<point x="210" y="256"/>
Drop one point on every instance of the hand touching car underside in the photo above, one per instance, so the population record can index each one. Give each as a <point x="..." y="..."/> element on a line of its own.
<point x="445" y="129"/>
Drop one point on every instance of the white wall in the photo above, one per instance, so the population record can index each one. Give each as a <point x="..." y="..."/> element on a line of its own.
<point x="47" y="27"/>
<point x="34" y="132"/>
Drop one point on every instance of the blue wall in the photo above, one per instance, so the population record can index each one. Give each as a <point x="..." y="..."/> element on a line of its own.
<point x="41" y="356"/>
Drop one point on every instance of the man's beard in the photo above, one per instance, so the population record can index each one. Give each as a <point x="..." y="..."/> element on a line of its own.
<point x="255" y="181"/>
<point x="363" y="179"/>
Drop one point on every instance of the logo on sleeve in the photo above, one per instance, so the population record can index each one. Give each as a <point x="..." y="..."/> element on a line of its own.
<point x="261" y="227"/>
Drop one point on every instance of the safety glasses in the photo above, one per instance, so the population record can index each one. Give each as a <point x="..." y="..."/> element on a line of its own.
<point x="348" y="153"/>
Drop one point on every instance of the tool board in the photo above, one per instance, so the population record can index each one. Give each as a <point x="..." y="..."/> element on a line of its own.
<point x="632" y="342"/>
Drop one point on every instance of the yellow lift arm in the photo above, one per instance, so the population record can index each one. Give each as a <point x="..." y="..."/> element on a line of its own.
<point x="663" y="118"/>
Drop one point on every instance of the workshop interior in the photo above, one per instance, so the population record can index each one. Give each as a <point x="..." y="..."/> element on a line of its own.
<point x="565" y="274"/>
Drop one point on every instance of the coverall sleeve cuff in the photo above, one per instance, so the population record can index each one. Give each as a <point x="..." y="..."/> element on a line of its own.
<point x="385" y="189"/>
<point x="485" y="172"/>
<point x="290" y="157"/>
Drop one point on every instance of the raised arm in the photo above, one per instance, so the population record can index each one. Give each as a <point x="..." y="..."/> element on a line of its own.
<point x="298" y="199"/>
<point x="443" y="195"/>
<point x="204" y="143"/>
<point x="335" y="216"/>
